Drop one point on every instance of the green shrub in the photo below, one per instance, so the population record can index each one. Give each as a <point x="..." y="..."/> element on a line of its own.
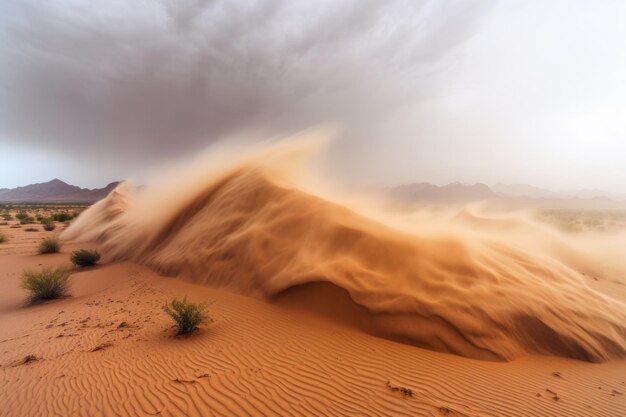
<point x="49" y="226"/>
<point x="21" y="215"/>
<point x="187" y="315"/>
<point x="46" y="283"/>
<point x="27" y="220"/>
<point x="49" y="245"/>
<point x="61" y="217"/>
<point x="84" y="257"/>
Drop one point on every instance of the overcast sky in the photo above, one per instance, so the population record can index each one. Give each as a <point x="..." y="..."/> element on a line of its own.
<point x="440" y="91"/>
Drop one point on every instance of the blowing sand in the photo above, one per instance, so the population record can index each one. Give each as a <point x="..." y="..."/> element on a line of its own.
<point x="108" y="350"/>
<point x="319" y="308"/>
<point x="495" y="288"/>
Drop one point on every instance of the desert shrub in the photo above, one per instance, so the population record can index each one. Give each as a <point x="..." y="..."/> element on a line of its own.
<point x="21" y="215"/>
<point x="61" y="217"/>
<point x="15" y="226"/>
<point x="187" y="315"/>
<point x="27" y="220"/>
<point x="40" y="218"/>
<point x="49" y="226"/>
<point x="7" y="217"/>
<point x="4" y="223"/>
<point x="2" y="238"/>
<point x="46" y="283"/>
<point x="31" y="229"/>
<point x="49" y="245"/>
<point x="84" y="257"/>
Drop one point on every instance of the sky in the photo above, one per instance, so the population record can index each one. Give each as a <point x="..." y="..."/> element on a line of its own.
<point x="440" y="91"/>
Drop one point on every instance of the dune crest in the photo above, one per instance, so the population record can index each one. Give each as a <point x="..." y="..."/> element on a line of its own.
<point x="481" y="295"/>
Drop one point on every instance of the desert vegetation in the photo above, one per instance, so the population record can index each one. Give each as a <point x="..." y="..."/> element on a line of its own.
<point x="187" y="315"/>
<point x="49" y="226"/>
<point x="49" y="245"/>
<point x="27" y="220"/>
<point x="84" y="257"/>
<point x="62" y="217"/>
<point x="21" y="215"/>
<point x="46" y="283"/>
<point x="585" y="220"/>
<point x="2" y="238"/>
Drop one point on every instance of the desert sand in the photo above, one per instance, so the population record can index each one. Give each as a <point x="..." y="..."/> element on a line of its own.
<point x="108" y="350"/>
<point x="318" y="308"/>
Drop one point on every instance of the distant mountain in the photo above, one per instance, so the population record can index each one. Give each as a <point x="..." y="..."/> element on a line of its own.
<point x="455" y="192"/>
<point x="525" y="190"/>
<point x="595" y="193"/>
<point x="505" y="195"/>
<point x="54" y="191"/>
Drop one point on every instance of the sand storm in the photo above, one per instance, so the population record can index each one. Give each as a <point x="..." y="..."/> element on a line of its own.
<point x="468" y="282"/>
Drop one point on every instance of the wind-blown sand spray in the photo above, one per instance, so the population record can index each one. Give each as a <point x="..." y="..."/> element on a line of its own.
<point x="475" y="284"/>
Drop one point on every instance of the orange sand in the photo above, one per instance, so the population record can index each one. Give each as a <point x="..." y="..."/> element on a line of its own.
<point x="256" y="358"/>
<point x="482" y="287"/>
<point x="311" y="299"/>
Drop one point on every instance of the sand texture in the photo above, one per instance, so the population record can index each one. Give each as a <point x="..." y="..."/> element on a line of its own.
<point x="480" y="287"/>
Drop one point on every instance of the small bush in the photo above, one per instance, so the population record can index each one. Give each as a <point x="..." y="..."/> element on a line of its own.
<point x="7" y="217"/>
<point x="31" y="229"/>
<point x="84" y="257"/>
<point x="47" y="283"/>
<point x="4" y="223"/>
<point x="27" y="220"/>
<point x="61" y="217"/>
<point x="49" y="226"/>
<point x="21" y="215"/>
<point x="2" y="238"/>
<point x="186" y="315"/>
<point x="49" y="245"/>
<point x="15" y="226"/>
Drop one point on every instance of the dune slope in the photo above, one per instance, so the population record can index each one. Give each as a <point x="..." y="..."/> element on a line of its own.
<point x="108" y="350"/>
<point x="477" y="296"/>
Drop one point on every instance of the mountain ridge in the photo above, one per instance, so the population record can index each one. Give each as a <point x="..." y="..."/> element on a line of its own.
<point x="54" y="190"/>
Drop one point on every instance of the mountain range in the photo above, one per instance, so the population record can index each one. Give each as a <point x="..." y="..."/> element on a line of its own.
<point x="54" y="191"/>
<point x="504" y="194"/>
<point x="57" y="191"/>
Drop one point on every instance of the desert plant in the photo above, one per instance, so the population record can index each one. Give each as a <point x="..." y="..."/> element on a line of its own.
<point x="46" y="283"/>
<point x="49" y="226"/>
<point x="27" y="220"/>
<point x="21" y="215"/>
<point x="7" y="217"/>
<point x="2" y="238"/>
<point x="4" y="223"/>
<point x="187" y="315"/>
<point x="84" y="257"/>
<point x="49" y="245"/>
<point x="31" y="229"/>
<point x="61" y="217"/>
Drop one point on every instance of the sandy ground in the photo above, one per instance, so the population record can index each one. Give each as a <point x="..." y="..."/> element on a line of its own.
<point x="109" y="350"/>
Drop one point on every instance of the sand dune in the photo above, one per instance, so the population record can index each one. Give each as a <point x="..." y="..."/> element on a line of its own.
<point x="454" y="288"/>
<point x="256" y="359"/>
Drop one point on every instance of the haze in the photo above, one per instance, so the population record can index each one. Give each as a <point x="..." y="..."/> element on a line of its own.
<point x="441" y="91"/>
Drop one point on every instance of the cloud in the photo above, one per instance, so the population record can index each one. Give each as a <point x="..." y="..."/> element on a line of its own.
<point x="144" y="80"/>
